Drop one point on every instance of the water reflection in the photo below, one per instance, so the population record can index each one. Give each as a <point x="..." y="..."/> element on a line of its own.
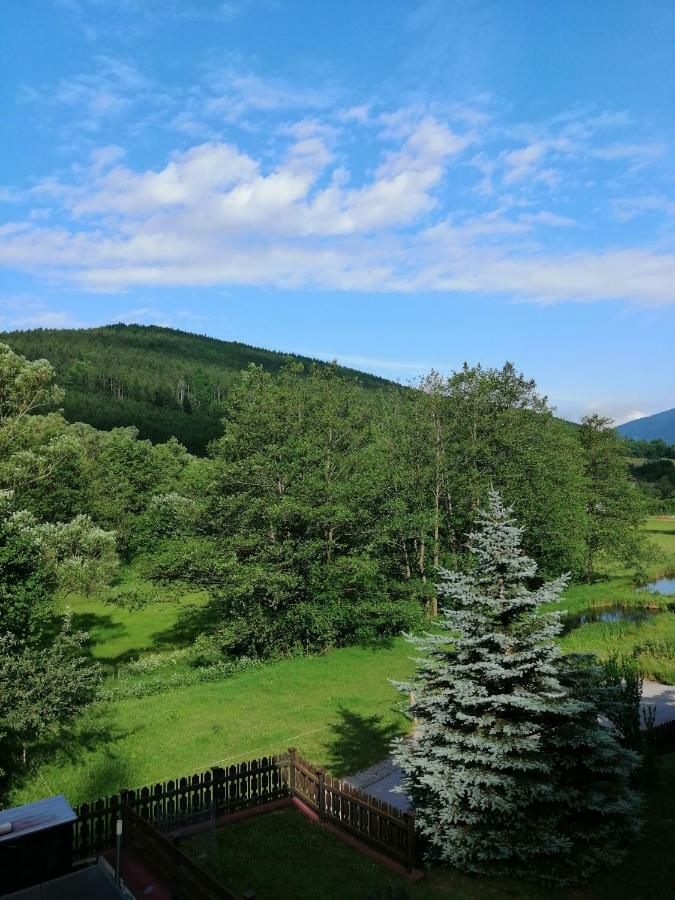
<point x="634" y="614"/>
<point x="662" y="586"/>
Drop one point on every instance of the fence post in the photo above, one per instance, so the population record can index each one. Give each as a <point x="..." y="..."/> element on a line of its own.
<point x="322" y="794"/>
<point x="291" y="769"/>
<point x="410" y="823"/>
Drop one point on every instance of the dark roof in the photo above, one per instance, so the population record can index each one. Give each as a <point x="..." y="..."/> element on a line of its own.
<point x="89" y="884"/>
<point x="38" y="816"/>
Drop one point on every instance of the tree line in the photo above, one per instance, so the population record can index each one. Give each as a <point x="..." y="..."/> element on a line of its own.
<point x="654" y="471"/>
<point x="162" y="381"/>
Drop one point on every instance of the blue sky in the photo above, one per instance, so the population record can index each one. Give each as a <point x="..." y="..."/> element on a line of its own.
<point x="398" y="185"/>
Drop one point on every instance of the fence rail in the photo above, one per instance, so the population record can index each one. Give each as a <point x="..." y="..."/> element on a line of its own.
<point x="186" y="878"/>
<point x="377" y="823"/>
<point x="174" y="804"/>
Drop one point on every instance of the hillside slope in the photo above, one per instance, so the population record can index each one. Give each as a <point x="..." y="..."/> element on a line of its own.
<point x="650" y="428"/>
<point x="163" y="381"/>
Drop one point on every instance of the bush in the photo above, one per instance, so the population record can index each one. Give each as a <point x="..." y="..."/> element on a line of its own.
<point x="133" y="599"/>
<point x="195" y="559"/>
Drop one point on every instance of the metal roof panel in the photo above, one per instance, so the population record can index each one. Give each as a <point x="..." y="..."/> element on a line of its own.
<point x="33" y="817"/>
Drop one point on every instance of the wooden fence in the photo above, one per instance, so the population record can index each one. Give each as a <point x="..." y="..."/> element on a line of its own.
<point x="168" y="806"/>
<point x="379" y="824"/>
<point x="172" y="805"/>
<point x="186" y="879"/>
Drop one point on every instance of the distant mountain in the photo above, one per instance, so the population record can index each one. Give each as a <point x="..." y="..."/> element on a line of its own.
<point x="650" y="428"/>
<point x="163" y="381"/>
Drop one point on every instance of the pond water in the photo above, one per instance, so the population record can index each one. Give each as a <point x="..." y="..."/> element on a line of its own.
<point x="662" y="586"/>
<point x="634" y="614"/>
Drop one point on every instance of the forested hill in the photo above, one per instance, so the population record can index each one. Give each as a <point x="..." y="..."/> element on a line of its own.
<point x="163" y="381"/>
<point x="660" y="426"/>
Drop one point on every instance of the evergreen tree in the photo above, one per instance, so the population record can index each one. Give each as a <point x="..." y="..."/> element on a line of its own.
<point x="509" y="771"/>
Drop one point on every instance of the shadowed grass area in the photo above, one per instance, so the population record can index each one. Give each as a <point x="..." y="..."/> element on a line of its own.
<point x="303" y="860"/>
<point x="172" y="617"/>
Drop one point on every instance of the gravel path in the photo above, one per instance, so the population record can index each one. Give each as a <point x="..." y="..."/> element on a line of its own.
<point x="661" y="696"/>
<point x="381" y="779"/>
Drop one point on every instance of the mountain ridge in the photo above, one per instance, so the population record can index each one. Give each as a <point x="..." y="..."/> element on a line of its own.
<point x="650" y="428"/>
<point x="164" y="381"/>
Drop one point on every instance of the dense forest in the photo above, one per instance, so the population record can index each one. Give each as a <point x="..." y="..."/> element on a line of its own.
<point x="166" y="383"/>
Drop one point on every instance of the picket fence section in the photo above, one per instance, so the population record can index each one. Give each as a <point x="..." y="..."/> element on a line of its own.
<point x="179" y="803"/>
<point x="173" y="805"/>
<point x="379" y="824"/>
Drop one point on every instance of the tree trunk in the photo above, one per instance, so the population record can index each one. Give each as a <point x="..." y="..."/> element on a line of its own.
<point x="406" y="560"/>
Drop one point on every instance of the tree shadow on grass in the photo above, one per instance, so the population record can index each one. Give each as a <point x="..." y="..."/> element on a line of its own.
<point x="106" y="628"/>
<point x="360" y="741"/>
<point x="376" y="642"/>
<point x="651" y="530"/>
<point x="192" y="621"/>
<point x="108" y="774"/>
<point x="73" y="747"/>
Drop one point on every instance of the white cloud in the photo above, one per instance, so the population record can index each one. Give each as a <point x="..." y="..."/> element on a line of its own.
<point x="231" y="95"/>
<point x="96" y="97"/>
<point x="296" y="214"/>
<point x="631" y="416"/>
<point x="627" y="208"/>
<point x="359" y="113"/>
<point x="544" y="217"/>
<point x="636" y="152"/>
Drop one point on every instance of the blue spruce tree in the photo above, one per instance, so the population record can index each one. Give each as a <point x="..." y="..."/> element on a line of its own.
<point x="509" y="770"/>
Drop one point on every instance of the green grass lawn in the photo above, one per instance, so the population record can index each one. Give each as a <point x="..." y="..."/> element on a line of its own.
<point x="303" y="860"/>
<point x="338" y="709"/>
<point x="116" y="634"/>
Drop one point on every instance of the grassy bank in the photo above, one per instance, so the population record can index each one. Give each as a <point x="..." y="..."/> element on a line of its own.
<point x="617" y="586"/>
<point x="651" y="642"/>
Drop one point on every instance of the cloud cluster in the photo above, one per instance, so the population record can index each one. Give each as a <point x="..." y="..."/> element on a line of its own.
<point x="448" y="199"/>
